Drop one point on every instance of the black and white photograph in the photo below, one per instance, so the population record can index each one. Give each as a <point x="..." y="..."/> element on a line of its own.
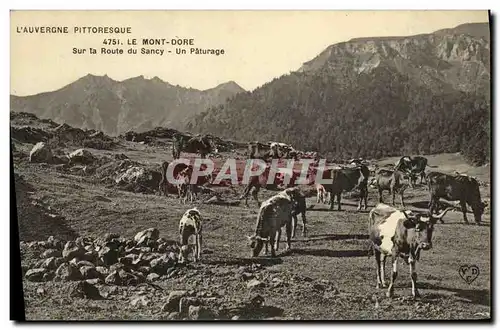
<point x="251" y="165"/>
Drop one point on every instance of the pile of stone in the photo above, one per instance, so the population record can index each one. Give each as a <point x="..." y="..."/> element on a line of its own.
<point x="110" y="259"/>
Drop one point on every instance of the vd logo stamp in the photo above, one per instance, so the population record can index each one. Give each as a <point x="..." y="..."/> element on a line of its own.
<point x="469" y="273"/>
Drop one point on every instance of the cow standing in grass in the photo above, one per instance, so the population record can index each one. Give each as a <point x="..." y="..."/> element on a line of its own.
<point x="203" y="145"/>
<point x="413" y="166"/>
<point x="391" y="181"/>
<point x="399" y="234"/>
<point x="274" y="213"/>
<point x="462" y="188"/>
<point x="190" y="225"/>
<point x="348" y="179"/>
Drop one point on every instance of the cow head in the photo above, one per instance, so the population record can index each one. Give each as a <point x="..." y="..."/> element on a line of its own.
<point x="478" y="210"/>
<point x="421" y="228"/>
<point x="256" y="244"/>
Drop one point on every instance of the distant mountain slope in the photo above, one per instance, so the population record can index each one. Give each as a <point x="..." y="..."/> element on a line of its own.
<point x="101" y="103"/>
<point x="374" y="97"/>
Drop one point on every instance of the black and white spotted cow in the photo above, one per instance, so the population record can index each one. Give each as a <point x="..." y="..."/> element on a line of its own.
<point x="189" y="225"/>
<point x="400" y="234"/>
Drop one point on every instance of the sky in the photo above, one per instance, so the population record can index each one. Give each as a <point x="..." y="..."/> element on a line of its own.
<point x="258" y="45"/>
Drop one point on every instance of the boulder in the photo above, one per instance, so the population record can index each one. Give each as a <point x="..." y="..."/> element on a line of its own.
<point x="172" y="304"/>
<point x="41" y="153"/>
<point x="81" y="156"/>
<point x="150" y="234"/>
<point x="35" y="275"/>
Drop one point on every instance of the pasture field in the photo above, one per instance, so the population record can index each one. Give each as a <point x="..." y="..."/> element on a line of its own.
<point x="326" y="276"/>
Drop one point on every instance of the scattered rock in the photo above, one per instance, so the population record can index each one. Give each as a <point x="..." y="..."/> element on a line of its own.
<point x="254" y="284"/>
<point x="200" y="313"/>
<point x="35" y="275"/>
<point x="41" y="153"/>
<point x="52" y="263"/>
<point x="69" y="272"/>
<point x="86" y="290"/>
<point x="172" y="304"/>
<point x="148" y="234"/>
<point x="51" y="253"/>
<point x="152" y="277"/>
<point x="139" y="301"/>
<point x="187" y="302"/>
<point x="113" y="278"/>
<point x="73" y="250"/>
<point x="81" y="156"/>
<point x="89" y="272"/>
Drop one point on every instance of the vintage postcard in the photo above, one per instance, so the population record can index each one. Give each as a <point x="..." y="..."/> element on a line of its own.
<point x="251" y="165"/>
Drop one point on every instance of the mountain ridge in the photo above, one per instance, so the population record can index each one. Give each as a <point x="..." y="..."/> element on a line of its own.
<point x="114" y="107"/>
<point x="373" y="97"/>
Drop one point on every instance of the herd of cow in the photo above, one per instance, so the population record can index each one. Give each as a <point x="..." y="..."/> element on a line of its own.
<point x="393" y="232"/>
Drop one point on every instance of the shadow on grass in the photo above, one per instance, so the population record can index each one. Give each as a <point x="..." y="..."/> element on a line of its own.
<point x="475" y="296"/>
<point x="327" y="253"/>
<point x="334" y="237"/>
<point x="262" y="260"/>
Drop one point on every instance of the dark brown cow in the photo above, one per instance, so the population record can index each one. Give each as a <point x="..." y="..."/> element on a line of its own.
<point x="391" y="181"/>
<point x="399" y="234"/>
<point x="164" y="184"/>
<point x="347" y="179"/>
<point x="464" y="189"/>
<point x="203" y="145"/>
<point x="413" y="166"/>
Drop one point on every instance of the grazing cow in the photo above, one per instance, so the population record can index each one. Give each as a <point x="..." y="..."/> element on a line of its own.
<point x="348" y="179"/>
<point x="464" y="189"/>
<point x="203" y="145"/>
<point x="412" y="165"/>
<point x="391" y="181"/>
<point x="190" y="225"/>
<point x="399" y="234"/>
<point x="274" y="213"/>
<point x="322" y="196"/>
<point x="257" y="150"/>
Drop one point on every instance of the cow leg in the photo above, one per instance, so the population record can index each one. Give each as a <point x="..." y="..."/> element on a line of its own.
<point x="377" y="262"/>
<point x="413" y="274"/>
<point x="394" y="275"/>
<point x="255" y="193"/>
<point x="463" y="205"/>
<point x="272" y="238"/>
<point x="199" y="242"/>
<point x="382" y="271"/>
<point x="402" y="200"/>
<point x="339" y="195"/>
<point x="318" y="197"/>
<point x="278" y="237"/>
<point x="380" y="261"/>
<point x="380" y="198"/>
<point x="294" y="225"/>
<point x="332" y="200"/>
<point x="266" y="245"/>
<point x="288" y="228"/>
<point x="304" y="228"/>
<point x="365" y="197"/>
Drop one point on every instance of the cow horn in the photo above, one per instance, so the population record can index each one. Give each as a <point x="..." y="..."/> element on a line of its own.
<point x="440" y="215"/>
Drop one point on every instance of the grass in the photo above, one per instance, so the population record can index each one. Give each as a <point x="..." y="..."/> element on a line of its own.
<point x="325" y="276"/>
